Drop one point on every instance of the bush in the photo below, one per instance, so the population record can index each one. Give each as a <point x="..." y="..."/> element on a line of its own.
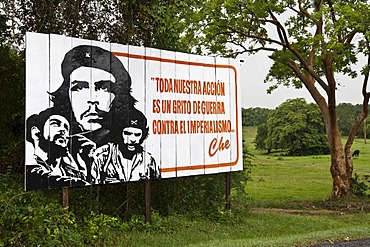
<point x="99" y="216"/>
<point x="34" y="218"/>
<point x="12" y="105"/>
<point x="360" y="185"/>
<point x="38" y="219"/>
<point x="195" y="196"/>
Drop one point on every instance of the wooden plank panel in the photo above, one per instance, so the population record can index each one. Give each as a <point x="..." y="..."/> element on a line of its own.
<point x="37" y="100"/>
<point x="159" y="141"/>
<point x="236" y="137"/>
<point x="182" y="105"/>
<point x="197" y="144"/>
<point x="211" y="139"/>
<point x="224" y="145"/>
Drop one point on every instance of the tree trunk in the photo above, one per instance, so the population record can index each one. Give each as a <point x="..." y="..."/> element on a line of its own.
<point x="341" y="169"/>
<point x="341" y="165"/>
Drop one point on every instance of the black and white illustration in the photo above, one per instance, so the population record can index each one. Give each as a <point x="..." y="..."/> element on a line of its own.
<point x="102" y="113"/>
<point x="123" y="158"/>
<point x="54" y="164"/>
<point x="87" y="132"/>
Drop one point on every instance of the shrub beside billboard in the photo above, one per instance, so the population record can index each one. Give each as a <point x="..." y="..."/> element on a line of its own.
<point x="99" y="113"/>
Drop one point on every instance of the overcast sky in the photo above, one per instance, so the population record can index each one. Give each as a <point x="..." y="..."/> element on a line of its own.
<point x="253" y="89"/>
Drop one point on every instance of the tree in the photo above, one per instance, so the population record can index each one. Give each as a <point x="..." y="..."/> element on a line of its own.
<point x="254" y="116"/>
<point x="310" y="43"/>
<point x="259" y="141"/>
<point x="347" y="114"/>
<point x="135" y="22"/>
<point x="296" y="127"/>
<point x="12" y="104"/>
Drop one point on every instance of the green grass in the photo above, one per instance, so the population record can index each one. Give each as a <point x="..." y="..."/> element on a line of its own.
<point x="290" y="207"/>
<point x="259" y="229"/>
<point x="276" y="177"/>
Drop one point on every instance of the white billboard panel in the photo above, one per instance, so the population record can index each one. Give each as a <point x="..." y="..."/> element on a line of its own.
<point x="99" y="113"/>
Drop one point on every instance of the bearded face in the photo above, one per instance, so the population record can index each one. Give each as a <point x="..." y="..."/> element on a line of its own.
<point x="55" y="135"/>
<point x="131" y="137"/>
<point x="90" y="96"/>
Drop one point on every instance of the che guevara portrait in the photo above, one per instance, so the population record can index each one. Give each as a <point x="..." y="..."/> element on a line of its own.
<point x="91" y="132"/>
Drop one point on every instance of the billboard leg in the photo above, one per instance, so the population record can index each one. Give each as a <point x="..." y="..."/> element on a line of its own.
<point x="65" y="202"/>
<point x="148" y="216"/>
<point x="228" y="190"/>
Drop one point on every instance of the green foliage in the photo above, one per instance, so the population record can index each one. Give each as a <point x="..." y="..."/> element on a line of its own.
<point x="12" y="105"/>
<point x="195" y="196"/>
<point x="239" y="199"/>
<point x="347" y="114"/>
<point x="254" y="116"/>
<point x="139" y="22"/>
<point x="100" y="229"/>
<point x="310" y="43"/>
<point x="200" y="195"/>
<point x="31" y="219"/>
<point x="259" y="141"/>
<point x="296" y="127"/>
<point x="37" y="218"/>
<point x="96" y="218"/>
<point x="4" y="31"/>
<point x="360" y="185"/>
<point x="300" y="220"/>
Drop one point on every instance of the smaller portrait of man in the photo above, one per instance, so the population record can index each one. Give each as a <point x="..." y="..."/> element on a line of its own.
<point x="54" y="165"/>
<point x="124" y="159"/>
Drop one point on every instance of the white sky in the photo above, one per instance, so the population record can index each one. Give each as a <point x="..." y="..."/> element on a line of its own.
<point x="253" y="90"/>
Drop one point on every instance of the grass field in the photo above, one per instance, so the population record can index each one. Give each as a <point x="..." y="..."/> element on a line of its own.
<point x="276" y="177"/>
<point x="289" y="207"/>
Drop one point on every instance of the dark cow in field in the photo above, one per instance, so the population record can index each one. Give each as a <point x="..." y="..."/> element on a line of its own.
<point x="356" y="153"/>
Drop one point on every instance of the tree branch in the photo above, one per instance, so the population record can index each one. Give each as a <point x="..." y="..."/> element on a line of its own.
<point x="262" y="48"/>
<point x="319" y="99"/>
<point x="347" y="39"/>
<point x="332" y="11"/>
<point x="365" y="106"/>
<point x="232" y="31"/>
<point x="366" y="94"/>
<point x="313" y="48"/>
<point x="279" y="28"/>
<point x="305" y="13"/>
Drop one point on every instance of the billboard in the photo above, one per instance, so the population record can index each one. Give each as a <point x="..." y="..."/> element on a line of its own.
<point x="100" y="113"/>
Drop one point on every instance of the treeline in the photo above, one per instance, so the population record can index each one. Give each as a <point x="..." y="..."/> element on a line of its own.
<point x="347" y="114"/>
<point x="297" y="128"/>
<point x="254" y="116"/>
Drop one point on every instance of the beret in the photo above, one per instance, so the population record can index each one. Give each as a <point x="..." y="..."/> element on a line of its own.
<point x="95" y="57"/>
<point x="135" y="119"/>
